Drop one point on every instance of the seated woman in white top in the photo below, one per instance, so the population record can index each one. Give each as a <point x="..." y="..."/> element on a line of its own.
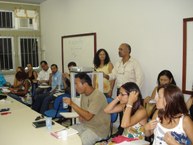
<point x="170" y="124"/>
<point x="134" y="114"/>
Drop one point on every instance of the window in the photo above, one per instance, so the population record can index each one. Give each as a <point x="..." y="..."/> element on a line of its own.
<point x="19" y="36"/>
<point x="6" y="60"/>
<point x="29" y="51"/>
<point x="6" y="19"/>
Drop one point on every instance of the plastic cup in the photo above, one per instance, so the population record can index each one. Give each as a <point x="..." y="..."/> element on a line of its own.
<point x="64" y="104"/>
<point x="64" y="134"/>
<point x="49" y="123"/>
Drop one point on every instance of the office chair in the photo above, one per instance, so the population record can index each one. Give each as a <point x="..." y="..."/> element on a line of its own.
<point x="113" y="116"/>
<point x="58" y="107"/>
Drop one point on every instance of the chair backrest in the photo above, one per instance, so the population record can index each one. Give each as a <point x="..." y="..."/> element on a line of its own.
<point x="58" y="102"/>
<point x="113" y="115"/>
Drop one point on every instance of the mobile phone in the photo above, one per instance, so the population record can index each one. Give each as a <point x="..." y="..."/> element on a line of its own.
<point x="38" y="124"/>
<point x="2" y="96"/>
<point x="4" y="109"/>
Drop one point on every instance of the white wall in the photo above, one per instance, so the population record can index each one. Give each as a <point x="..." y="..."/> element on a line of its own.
<point x="153" y="28"/>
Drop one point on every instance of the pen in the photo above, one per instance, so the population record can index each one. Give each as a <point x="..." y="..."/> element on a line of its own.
<point x="5" y="113"/>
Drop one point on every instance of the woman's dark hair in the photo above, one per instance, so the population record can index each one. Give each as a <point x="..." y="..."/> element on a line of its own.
<point x="84" y="78"/>
<point x="97" y="61"/>
<point x="129" y="87"/>
<point x="175" y="103"/>
<point x="21" y="68"/>
<point x="168" y="74"/>
<point x="20" y="76"/>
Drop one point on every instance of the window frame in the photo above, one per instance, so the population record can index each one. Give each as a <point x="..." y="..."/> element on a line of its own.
<point x="13" y="19"/>
<point x="19" y="49"/>
<point x="13" y="53"/>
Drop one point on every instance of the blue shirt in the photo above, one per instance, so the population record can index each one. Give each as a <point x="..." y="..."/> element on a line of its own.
<point x="57" y="80"/>
<point x="2" y="80"/>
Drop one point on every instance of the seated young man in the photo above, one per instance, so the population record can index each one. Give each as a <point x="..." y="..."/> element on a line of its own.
<point x="41" y="104"/>
<point x="41" y="101"/>
<point x="95" y="123"/>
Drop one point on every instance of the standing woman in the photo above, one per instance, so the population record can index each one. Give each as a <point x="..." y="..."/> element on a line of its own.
<point x="103" y="64"/>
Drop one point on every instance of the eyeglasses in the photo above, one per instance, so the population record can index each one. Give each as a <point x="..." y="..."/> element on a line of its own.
<point x="123" y="94"/>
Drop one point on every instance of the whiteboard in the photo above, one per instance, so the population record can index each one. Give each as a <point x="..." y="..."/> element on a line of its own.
<point x="79" y="48"/>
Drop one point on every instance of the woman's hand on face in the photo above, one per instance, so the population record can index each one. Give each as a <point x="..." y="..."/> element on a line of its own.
<point x="133" y="96"/>
<point x="151" y="125"/>
<point x="147" y="99"/>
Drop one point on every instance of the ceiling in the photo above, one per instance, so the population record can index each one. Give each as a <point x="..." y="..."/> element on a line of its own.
<point x="25" y="1"/>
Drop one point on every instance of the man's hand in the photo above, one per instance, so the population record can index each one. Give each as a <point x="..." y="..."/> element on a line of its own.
<point x="67" y="101"/>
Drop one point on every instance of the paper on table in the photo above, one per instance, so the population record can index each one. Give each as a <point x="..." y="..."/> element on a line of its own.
<point x="70" y="131"/>
<point x="5" y="102"/>
<point x="136" y="142"/>
<point x="69" y="114"/>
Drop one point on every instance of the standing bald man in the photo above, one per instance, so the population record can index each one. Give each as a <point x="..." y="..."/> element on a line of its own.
<point x="126" y="70"/>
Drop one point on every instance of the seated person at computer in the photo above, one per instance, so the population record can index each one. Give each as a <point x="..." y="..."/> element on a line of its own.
<point x="22" y="93"/>
<point x="94" y="122"/>
<point x="41" y="101"/>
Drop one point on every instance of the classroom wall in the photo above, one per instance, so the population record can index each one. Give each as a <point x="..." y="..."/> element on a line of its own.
<point x="153" y="28"/>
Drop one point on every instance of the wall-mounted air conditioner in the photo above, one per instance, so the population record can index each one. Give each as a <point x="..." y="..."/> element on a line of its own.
<point x="24" y="23"/>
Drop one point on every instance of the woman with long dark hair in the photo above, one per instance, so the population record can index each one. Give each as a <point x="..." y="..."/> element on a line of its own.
<point x="129" y="101"/>
<point x="103" y="64"/>
<point x="164" y="77"/>
<point x="22" y="93"/>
